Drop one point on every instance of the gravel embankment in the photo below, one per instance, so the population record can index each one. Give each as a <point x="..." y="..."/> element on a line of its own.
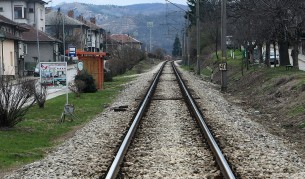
<point x="253" y="152"/>
<point x="168" y="143"/>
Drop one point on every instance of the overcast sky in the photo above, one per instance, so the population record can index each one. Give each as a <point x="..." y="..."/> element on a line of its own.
<point x="116" y="2"/>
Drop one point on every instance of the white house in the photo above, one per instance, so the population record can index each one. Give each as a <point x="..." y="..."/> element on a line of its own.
<point x="12" y="48"/>
<point x="33" y="46"/>
<point x="30" y="12"/>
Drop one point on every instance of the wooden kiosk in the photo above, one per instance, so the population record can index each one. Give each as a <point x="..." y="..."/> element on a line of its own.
<point x="93" y="63"/>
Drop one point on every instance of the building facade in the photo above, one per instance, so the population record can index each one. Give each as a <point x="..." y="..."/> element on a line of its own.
<point x="39" y="47"/>
<point x="12" y="47"/>
<point x="29" y="17"/>
<point x="126" y="40"/>
<point x="30" y="12"/>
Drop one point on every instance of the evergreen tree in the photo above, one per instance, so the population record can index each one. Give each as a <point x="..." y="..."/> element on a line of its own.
<point x="177" y="50"/>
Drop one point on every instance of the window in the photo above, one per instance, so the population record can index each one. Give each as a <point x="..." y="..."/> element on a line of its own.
<point x="89" y="38"/>
<point x="70" y="32"/>
<point x="1" y="9"/>
<point x="31" y="10"/>
<point x="25" y="49"/>
<point x="19" y="12"/>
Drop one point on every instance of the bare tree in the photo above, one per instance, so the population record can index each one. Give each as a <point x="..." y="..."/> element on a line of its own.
<point x="160" y="53"/>
<point x="124" y="58"/>
<point x="270" y="21"/>
<point x="16" y="97"/>
<point x="40" y="95"/>
<point x="77" y="87"/>
<point x="210" y="23"/>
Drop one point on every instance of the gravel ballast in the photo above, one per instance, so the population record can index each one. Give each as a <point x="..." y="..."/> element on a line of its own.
<point x="168" y="143"/>
<point x="252" y="151"/>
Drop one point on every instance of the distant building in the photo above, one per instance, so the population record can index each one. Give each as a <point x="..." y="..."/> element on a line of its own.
<point x="22" y="16"/>
<point x="56" y="22"/>
<point x="124" y="39"/>
<point x="84" y="35"/>
<point x="48" y="48"/>
<point x="94" y="40"/>
<point x="30" y="12"/>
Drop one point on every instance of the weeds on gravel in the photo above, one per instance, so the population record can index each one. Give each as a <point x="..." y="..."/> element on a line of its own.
<point x="302" y="126"/>
<point x="297" y="110"/>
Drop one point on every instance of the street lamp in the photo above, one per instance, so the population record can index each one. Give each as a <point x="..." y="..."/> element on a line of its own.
<point x="2" y="38"/>
<point x="63" y="36"/>
<point x="150" y="25"/>
<point x="64" y="50"/>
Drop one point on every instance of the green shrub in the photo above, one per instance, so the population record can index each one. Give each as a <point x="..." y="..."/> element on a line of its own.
<point x="88" y="79"/>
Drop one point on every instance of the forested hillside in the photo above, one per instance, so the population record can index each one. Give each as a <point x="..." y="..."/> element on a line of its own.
<point x="167" y="20"/>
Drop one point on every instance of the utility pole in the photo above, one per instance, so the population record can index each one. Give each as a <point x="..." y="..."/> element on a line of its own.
<point x="188" y="39"/>
<point x="184" y="46"/>
<point x="2" y="38"/>
<point x="63" y="36"/>
<point x="198" y="36"/>
<point x="223" y="65"/>
<point x="37" y="37"/>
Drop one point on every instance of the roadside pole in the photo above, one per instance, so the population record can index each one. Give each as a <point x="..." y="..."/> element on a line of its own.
<point x="198" y="36"/>
<point x="223" y="65"/>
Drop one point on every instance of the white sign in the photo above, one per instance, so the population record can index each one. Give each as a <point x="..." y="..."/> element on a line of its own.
<point x="223" y="66"/>
<point x="150" y="24"/>
<point x="80" y="65"/>
<point x="72" y="51"/>
<point x="53" y="74"/>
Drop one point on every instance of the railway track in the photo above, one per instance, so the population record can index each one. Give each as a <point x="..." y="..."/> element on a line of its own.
<point x="164" y="140"/>
<point x="168" y="143"/>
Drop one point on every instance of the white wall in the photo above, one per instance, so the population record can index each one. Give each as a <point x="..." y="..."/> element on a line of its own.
<point x="8" y="57"/>
<point x="6" y="9"/>
<point x="37" y="17"/>
<point x="40" y="16"/>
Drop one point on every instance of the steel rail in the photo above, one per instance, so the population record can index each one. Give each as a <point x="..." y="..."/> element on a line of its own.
<point x="115" y="166"/>
<point x="221" y="161"/>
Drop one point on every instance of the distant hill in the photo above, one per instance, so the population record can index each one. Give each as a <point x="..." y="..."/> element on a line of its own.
<point x="167" y="20"/>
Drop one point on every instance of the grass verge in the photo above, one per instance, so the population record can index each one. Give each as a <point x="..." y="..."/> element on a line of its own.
<point x="32" y="138"/>
<point x="40" y="130"/>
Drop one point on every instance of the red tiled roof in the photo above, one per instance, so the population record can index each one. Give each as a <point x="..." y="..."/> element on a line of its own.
<point x="8" y="22"/>
<point x="90" y="24"/>
<point x="31" y="35"/>
<point x="124" y="38"/>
